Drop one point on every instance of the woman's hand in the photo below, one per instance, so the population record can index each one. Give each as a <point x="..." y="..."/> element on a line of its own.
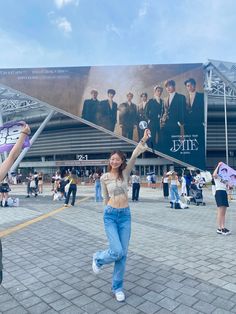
<point x="26" y="129"/>
<point x="146" y="135"/>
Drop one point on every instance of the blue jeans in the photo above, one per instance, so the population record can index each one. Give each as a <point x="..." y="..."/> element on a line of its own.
<point x="72" y="189"/>
<point x="117" y="222"/>
<point x="98" y="192"/>
<point x="174" y="194"/>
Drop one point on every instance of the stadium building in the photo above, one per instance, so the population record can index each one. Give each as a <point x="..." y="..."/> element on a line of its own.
<point x="60" y="140"/>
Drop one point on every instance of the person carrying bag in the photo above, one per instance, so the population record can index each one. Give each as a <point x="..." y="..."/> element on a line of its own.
<point x="72" y="188"/>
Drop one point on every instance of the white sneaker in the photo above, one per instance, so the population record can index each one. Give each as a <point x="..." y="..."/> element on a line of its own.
<point x="120" y="296"/>
<point x="95" y="268"/>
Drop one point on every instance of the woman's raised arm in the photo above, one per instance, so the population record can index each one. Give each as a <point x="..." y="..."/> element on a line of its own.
<point x="14" y="153"/>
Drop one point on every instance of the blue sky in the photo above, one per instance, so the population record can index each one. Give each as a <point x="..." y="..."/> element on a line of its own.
<point x="38" y="33"/>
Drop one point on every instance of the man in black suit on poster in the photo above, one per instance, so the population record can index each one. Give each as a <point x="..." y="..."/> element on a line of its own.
<point x="128" y="116"/>
<point x="153" y="112"/>
<point x="194" y="121"/>
<point x="173" y="116"/>
<point x="141" y="114"/>
<point x="107" y="111"/>
<point x="90" y="106"/>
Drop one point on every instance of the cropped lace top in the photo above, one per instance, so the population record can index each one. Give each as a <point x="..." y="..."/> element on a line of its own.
<point x="117" y="188"/>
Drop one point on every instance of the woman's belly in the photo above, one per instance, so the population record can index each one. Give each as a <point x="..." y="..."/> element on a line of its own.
<point x="119" y="201"/>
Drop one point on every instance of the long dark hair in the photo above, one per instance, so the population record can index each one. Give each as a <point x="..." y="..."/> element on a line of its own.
<point x="122" y="166"/>
<point x="98" y="172"/>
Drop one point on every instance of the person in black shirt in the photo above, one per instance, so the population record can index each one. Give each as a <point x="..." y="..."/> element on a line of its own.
<point x="153" y="112"/>
<point x="107" y="111"/>
<point x="128" y="116"/>
<point x="141" y="114"/>
<point x="194" y="121"/>
<point x="90" y="106"/>
<point x="173" y="116"/>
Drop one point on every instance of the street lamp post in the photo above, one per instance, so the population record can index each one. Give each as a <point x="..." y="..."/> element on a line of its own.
<point x="226" y="128"/>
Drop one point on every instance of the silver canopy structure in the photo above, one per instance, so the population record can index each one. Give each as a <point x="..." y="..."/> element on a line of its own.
<point x="220" y="83"/>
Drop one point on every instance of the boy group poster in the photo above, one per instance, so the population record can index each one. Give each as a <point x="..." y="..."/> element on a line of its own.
<point x="169" y="98"/>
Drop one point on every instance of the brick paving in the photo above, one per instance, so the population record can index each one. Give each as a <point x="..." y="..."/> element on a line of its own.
<point x="176" y="264"/>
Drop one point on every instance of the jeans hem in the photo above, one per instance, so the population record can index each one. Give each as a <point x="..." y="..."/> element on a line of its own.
<point x="116" y="290"/>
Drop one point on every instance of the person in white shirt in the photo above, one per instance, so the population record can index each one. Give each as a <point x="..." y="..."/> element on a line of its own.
<point x="222" y="203"/>
<point x="174" y="193"/>
<point x="135" y="181"/>
<point x="183" y="186"/>
<point x="165" y="185"/>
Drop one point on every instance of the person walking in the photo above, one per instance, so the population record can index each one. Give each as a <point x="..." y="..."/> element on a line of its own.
<point x="97" y="183"/>
<point x="174" y="193"/>
<point x="6" y="166"/>
<point x="73" y="181"/>
<point x="4" y="189"/>
<point x="135" y="181"/>
<point x="40" y="182"/>
<point x="165" y="185"/>
<point x="31" y="186"/>
<point x="221" y="199"/>
<point x="188" y="180"/>
<point x="117" y="218"/>
<point x="183" y="186"/>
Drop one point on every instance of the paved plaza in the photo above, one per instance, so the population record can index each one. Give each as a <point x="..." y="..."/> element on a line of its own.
<point x="176" y="263"/>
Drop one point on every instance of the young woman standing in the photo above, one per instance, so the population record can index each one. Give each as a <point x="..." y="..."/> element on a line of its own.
<point x="97" y="184"/>
<point x="222" y="203"/>
<point x="73" y="179"/>
<point x="174" y="193"/>
<point x="117" y="218"/>
<point x="165" y="185"/>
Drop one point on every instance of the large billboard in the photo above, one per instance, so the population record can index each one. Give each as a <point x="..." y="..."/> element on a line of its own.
<point x="169" y="98"/>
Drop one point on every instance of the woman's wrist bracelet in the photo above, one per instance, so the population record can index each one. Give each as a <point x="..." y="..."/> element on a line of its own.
<point x="142" y="141"/>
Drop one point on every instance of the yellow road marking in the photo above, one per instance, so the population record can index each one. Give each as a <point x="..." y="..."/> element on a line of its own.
<point x="8" y="231"/>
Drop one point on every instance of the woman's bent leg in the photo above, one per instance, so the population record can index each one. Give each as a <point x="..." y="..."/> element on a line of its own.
<point x="115" y="248"/>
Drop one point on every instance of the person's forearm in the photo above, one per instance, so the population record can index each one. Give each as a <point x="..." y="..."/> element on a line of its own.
<point x="15" y="152"/>
<point x="215" y="173"/>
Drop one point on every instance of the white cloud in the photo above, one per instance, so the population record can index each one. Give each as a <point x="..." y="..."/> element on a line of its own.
<point x="61" y="23"/>
<point x="113" y="29"/>
<point x="144" y="9"/>
<point x="62" y="3"/>
<point x="64" y="25"/>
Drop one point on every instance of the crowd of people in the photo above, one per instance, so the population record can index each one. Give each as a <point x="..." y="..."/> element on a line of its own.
<point x="112" y="188"/>
<point x="174" y="114"/>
